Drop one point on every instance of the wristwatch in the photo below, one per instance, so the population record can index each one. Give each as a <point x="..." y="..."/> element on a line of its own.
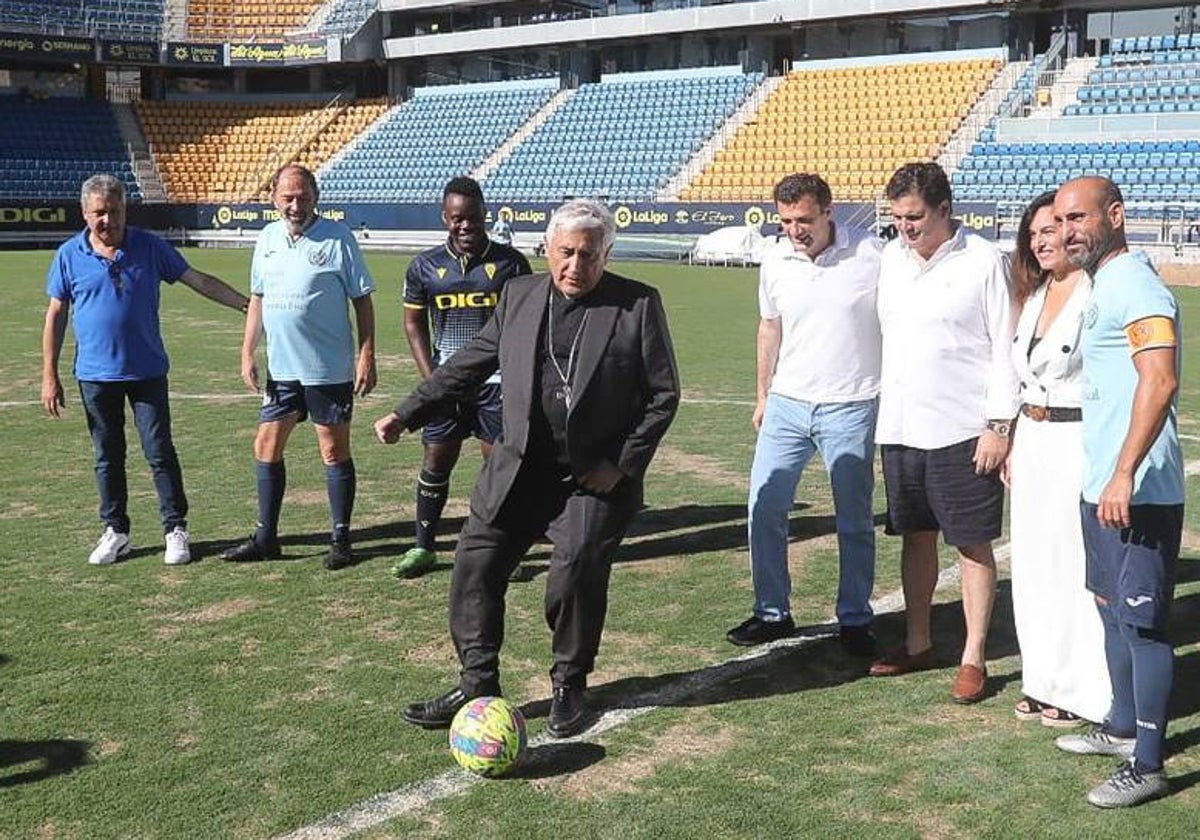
<point x="1000" y="427"/>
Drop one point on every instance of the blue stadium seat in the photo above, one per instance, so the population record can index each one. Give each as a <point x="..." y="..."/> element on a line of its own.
<point x="43" y="162"/>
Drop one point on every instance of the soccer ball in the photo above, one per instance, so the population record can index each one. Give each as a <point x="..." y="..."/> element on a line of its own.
<point x="487" y="736"/>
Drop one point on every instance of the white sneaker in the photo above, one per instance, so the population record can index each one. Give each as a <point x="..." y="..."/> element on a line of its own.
<point x="177" y="552"/>
<point x="109" y="547"/>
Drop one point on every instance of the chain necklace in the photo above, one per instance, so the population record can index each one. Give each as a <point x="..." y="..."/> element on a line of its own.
<point x="563" y="393"/>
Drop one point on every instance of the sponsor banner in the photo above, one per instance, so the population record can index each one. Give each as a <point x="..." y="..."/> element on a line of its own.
<point x="274" y="55"/>
<point x="255" y="216"/>
<point x="524" y="217"/>
<point x="46" y="47"/>
<point x="979" y="216"/>
<point x="192" y="54"/>
<point x="130" y="52"/>
<point x="67" y="218"/>
<point x="16" y="216"/>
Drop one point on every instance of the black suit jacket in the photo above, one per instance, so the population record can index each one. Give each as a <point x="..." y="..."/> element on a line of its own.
<point x="625" y="390"/>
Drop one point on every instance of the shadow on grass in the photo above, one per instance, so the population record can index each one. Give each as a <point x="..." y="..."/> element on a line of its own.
<point x="550" y="760"/>
<point x="54" y="757"/>
<point x="1185" y="696"/>
<point x="708" y="528"/>
<point x="791" y="669"/>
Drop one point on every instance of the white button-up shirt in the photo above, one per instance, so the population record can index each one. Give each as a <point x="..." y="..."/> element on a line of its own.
<point x="947" y="336"/>
<point x="830" y="345"/>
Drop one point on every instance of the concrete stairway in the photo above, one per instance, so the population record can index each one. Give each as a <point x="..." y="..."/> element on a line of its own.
<point x="979" y="116"/>
<point x="708" y="152"/>
<point x="144" y="169"/>
<point x="521" y="134"/>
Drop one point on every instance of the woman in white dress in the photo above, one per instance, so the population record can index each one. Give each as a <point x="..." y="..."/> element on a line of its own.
<point x="1065" y="678"/>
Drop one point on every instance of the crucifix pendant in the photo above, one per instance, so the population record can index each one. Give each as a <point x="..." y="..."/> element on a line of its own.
<point x="564" y="394"/>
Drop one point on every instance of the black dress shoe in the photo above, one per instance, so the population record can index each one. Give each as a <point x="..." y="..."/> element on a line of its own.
<point x="339" y="556"/>
<point x="437" y="713"/>
<point x="755" y="631"/>
<point x="568" y="715"/>
<point x="251" y="550"/>
<point x="858" y="641"/>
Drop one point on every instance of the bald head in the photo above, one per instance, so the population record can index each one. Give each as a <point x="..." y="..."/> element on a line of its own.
<point x="1091" y="212"/>
<point x="294" y="194"/>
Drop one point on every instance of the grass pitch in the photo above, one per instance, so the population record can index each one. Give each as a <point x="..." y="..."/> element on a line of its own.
<point x="246" y="701"/>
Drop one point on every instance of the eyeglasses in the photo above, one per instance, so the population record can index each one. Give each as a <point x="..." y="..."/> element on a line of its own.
<point x="117" y="276"/>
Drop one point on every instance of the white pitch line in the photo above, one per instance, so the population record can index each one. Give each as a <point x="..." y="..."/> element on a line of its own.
<point x="388" y="806"/>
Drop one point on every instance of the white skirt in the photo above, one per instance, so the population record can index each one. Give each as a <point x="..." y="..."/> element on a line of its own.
<point x="1058" y="626"/>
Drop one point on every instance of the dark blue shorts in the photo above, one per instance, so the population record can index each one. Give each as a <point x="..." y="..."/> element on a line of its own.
<point x="1134" y="568"/>
<point x="938" y="490"/>
<point x="483" y="419"/>
<point x="328" y="405"/>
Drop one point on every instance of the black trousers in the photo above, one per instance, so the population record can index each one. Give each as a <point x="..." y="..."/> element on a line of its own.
<point x="585" y="530"/>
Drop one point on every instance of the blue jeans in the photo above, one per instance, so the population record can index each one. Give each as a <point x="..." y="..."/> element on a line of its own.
<point x="104" y="404"/>
<point x="792" y="431"/>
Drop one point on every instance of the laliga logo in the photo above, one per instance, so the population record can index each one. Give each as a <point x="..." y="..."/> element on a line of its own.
<point x="755" y="217"/>
<point x="681" y="217"/>
<point x="224" y="215"/>
<point x="624" y="217"/>
<point x="505" y="213"/>
<point x="976" y="221"/>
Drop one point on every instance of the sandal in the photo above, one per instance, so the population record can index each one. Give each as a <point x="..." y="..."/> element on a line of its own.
<point x="1029" y="709"/>
<point x="1060" y="718"/>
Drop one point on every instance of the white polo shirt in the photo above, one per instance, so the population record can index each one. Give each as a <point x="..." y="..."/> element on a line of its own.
<point x="947" y="330"/>
<point x="829" y="352"/>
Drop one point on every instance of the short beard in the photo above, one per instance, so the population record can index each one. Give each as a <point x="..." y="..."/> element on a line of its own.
<point x="1091" y="257"/>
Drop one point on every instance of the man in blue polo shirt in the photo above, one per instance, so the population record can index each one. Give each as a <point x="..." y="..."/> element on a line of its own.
<point x="455" y="286"/>
<point x="1133" y="493"/>
<point x="110" y="274"/>
<point x="304" y="271"/>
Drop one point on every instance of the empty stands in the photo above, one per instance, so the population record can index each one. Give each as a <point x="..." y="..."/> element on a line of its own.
<point x="48" y="148"/>
<point x="854" y="125"/>
<point x="245" y="19"/>
<point x="225" y="151"/>
<point x="1146" y="75"/>
<point x="1126" y="125"/>
<point x="622" y="138"/>
<point x="438" y="134"/>
<point x="124" y="18"/>
<point x="348" y="15"/>
<point x="1153" y="171"/>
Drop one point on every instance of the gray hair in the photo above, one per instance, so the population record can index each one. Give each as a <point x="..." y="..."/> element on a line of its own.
<point x="107" y="186"/>
<point x="583" y="214"/>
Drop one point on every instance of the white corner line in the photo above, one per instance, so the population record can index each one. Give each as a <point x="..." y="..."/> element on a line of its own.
<point x="387" y="806"/>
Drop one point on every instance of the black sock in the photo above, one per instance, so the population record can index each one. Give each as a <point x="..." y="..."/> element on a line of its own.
<point x="340" y="482"/>
<point x="433" y="489"/>
<point x="272" y="481"/>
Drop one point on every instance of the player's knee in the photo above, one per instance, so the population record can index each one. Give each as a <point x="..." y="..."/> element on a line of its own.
<point x="266" y="445"/>
<point x="334" y="453"/>
<point x="1134" y="634"/>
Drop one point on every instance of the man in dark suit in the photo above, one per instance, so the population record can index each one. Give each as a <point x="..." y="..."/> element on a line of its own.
<point x="590" y="387"/>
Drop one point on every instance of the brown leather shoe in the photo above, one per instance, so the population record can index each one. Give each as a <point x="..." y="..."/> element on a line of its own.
<point x="969" y="684"/>
<point x="900" y="662"/>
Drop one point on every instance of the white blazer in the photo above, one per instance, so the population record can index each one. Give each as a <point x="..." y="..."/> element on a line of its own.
<point x="1051" y="375"/>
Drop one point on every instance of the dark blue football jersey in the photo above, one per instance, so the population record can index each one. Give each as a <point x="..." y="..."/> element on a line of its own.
<point x="459" y="293"/>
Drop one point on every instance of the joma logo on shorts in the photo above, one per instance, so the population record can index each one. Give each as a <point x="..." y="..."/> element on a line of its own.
<point x="466" y="300"/>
